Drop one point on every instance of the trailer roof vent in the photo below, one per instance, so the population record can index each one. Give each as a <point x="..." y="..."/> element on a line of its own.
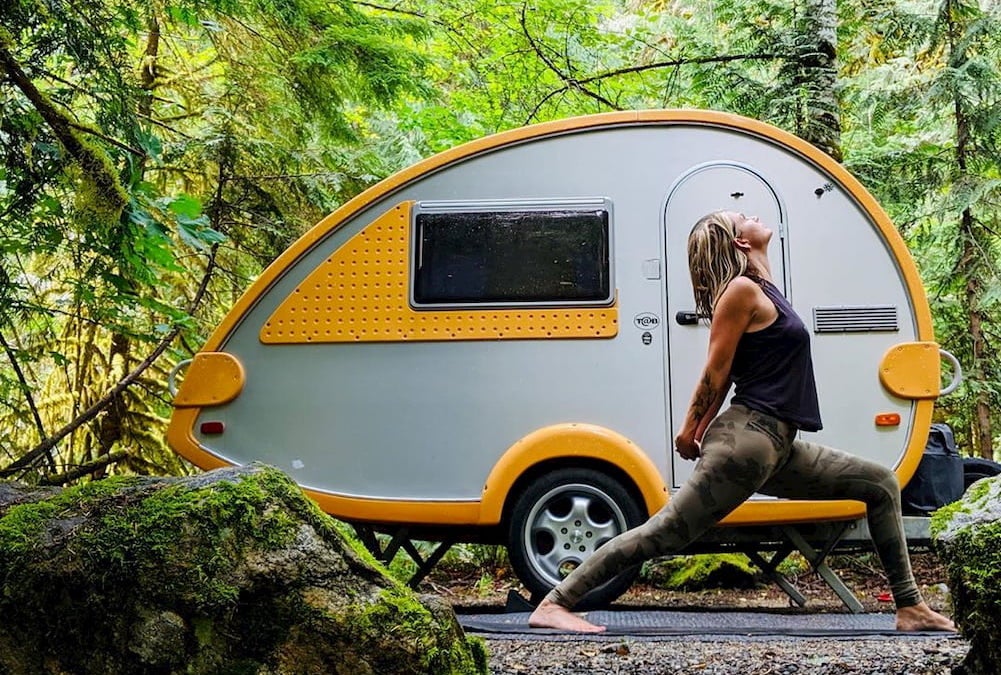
<point x="855" y="319"/>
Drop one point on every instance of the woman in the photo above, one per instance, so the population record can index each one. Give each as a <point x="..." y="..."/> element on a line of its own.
<point x="758" y="343"/>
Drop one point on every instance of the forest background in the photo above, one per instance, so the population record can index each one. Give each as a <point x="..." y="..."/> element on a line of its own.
<point x="158" y="154"/>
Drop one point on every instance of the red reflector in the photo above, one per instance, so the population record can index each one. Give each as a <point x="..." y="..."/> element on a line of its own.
<point x="888" y="420"/>
<point x="213" y="427"/>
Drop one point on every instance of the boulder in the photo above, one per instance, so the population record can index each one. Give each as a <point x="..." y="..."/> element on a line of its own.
<point x="967" y="537"/>
<point x="232" y="571"/>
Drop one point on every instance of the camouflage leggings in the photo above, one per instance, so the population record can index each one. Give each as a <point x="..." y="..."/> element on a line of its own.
<point x="744" y="452"/>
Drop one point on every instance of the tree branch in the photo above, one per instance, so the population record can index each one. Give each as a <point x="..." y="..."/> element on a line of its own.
<point x="94" y="164"/>
<point x="27" y="394"/>
<point x="395" y="10"/>
<point x="542" y="102"/>
<point x="84" y="469"/>
<point x="699" y="60"/>
<point x="115" y="142"/>
<point x="28" y="459"/>
<point x="571" y="83"/>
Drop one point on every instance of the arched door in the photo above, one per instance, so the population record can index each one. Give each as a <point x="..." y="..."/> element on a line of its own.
<point x="701" y="190"/>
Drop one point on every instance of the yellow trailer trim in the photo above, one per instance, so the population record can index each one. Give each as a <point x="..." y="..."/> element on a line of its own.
<point x="571" y="442"/>
<point x="360" y="294"/>
<point x="912" y="370"/>
<point x="213" y="378"/>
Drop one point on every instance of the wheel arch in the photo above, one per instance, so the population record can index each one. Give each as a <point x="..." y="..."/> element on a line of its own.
<point x="536" y="471"/>
<point x="566" y="446"/>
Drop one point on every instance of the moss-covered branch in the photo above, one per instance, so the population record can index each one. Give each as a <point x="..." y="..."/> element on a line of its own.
<point x="105" y="195"/>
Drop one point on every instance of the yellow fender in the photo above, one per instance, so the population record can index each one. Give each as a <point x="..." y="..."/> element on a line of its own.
<point x="571" y="441"/>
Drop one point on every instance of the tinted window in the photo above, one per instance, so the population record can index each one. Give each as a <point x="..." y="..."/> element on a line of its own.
<point x="554" y="255"/>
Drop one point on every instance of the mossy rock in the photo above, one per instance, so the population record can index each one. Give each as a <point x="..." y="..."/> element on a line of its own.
<point x="967" y="537"/>
<point x="233" y="571"/>
<point x="698" y="572"/>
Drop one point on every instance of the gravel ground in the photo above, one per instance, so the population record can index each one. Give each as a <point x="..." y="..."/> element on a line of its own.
<point x="676" y="656"/>
<point x="728" y="655"/>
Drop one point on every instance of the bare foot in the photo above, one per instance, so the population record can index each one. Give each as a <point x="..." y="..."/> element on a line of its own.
<point x="550" y="615"/>
<point x="921" y="617"/>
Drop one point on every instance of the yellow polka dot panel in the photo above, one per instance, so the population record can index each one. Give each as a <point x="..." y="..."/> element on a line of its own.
<point x="360" y="294"/>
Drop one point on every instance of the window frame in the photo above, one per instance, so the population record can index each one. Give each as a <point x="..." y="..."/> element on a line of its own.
<point x="584" y="205"/>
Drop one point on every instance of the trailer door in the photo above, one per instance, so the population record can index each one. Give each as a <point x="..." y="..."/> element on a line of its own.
<point x="702" y="189"/>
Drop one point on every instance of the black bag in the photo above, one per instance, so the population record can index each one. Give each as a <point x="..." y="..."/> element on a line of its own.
<point x="939" y="478"/>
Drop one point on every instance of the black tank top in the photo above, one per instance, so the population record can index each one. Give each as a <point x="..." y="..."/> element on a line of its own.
<point x="772" y="368"/>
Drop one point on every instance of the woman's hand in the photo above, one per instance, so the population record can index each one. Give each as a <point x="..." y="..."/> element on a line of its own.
<point x="687" y="447"/>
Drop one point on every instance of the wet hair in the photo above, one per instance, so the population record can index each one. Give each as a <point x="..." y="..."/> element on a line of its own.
<point x="713" y="260"/>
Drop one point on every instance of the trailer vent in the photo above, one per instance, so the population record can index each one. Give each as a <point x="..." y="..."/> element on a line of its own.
<point x="855" y="319"/>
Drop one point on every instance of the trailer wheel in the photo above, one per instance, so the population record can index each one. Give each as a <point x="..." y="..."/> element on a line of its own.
<point x="559" y="520"/>
<point x="975" y="468"/>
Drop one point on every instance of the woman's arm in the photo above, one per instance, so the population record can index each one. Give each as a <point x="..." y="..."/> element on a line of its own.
<point x="713" y="409"/>
<point x="734" y="312"/>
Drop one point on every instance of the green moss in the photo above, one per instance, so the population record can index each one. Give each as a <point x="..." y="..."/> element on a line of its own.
<point x="183" y="545"/>
<point x="404" y="623"/>
<point x="942" y="517"/>
<point x="478" y="650"/>
<point x="972" y="558"/>
<point x="204" y="629"/>
<point x="192" y="538"/>
<point x="348" y="536"/>
<point x="173" y="537"/>
<point x="23" y="527"/>
<point x="702" y="571"/>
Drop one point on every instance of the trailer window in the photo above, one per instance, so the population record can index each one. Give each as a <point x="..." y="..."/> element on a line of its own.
<point x="558" y="256"/>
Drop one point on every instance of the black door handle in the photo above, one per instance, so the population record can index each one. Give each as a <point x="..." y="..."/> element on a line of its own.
<point x="686" y="318"/>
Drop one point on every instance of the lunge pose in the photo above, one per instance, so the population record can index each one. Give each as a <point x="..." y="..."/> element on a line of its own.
<point x="759" y="344"/>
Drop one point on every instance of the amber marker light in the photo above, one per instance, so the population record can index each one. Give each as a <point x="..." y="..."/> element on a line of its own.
<point x="215" y="428"/>
<point x="888" y="420"/>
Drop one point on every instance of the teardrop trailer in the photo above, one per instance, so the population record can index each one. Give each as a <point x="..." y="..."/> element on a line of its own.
<point x="496" y="343"/>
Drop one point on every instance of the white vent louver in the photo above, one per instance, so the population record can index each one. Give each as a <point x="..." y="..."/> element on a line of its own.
<point x="855" y="319"/>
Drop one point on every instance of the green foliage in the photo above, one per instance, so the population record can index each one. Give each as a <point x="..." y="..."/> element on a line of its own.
<point x="697" y="572"/>
<point x="793" y="565"/>
<point x="923" y="135"/>
<point x="146" y="149"/>
<point x="229" y="127"/>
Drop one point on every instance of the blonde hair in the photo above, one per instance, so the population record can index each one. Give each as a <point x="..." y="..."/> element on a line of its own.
<point x="713" y="260"/>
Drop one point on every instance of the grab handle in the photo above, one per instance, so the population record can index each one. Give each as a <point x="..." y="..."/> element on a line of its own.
<point x="686" y="318"/>
<point x="957" y="372"/>
<point x="172" y="378"/>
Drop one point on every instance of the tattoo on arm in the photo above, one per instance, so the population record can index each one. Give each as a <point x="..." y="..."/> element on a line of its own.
<point x="704" y="399"/>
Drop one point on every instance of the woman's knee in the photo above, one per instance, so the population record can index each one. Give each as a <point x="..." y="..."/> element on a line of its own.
<point x="885" y="481"/>
<point x="886" y="477"/>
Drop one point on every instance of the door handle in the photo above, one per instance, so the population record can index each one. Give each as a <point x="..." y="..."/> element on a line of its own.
<point x="686" y="318"/>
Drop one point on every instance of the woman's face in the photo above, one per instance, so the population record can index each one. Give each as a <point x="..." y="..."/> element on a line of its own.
<point x="752" y="230"/>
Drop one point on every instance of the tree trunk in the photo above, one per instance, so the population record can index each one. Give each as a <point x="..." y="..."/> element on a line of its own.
<point x="818" y="113"/>
<point x="970" y="263"/>
<point x="112" y="424"/>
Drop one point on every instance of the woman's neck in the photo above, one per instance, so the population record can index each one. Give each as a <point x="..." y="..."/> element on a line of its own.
<point x="758" y="265"/>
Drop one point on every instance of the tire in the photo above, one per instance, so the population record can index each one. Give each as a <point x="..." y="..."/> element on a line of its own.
<point x="559" y="520"/>
<point x="975" y="468"/>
